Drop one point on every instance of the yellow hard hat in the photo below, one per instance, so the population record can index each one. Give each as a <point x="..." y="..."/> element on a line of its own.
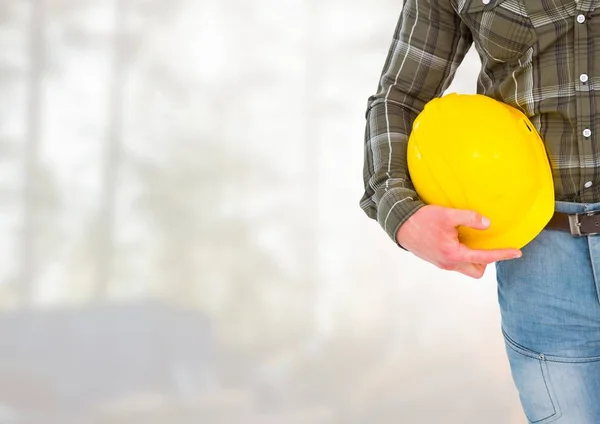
<point x="469" y="151"/>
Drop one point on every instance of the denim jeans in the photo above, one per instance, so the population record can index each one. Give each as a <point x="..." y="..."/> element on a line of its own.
<point x="550" y="306"/>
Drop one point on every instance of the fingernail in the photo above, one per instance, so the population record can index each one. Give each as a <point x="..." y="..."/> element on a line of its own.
<point x="518" y="255"/>
<point x="485" y="221"/>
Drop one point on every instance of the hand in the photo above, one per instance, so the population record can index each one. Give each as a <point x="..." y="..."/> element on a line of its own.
<point x="431" y="233"/>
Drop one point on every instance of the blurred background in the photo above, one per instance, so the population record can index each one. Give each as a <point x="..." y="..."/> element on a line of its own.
<point x="181" y="236"/>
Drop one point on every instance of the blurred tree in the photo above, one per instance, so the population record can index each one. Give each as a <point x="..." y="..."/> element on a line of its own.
<point x="12" y="71"/>
<point x="204" y="200"/>
<point x="91" y="262"/>
<point x="30" y="195"/>
<point x="205" y="194"/>
<point x="312" y="131"/>
<point x="37" y="53"/>
<point x="112" y="158"/>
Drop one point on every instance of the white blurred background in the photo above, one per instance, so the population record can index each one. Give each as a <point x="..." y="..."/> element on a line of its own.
<point x="181" y="237"/>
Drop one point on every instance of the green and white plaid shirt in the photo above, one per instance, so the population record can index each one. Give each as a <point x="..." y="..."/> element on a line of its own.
<point x="540" y="56"/>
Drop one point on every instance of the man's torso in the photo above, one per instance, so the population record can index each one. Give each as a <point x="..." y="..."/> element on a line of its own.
<point x="543" y="57"/>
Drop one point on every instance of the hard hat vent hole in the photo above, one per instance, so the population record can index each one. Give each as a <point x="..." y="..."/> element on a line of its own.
<point x="527" y="125"/>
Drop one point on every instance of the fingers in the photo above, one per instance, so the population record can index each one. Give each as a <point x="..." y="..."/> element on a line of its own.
<point x="464" y="254"/>
<point x="472" y="219"/>
<point x="468" y="269"/>
<point x="467" y="218"/>
<point x="474" y="262"/>
<point x="471" y="270"/>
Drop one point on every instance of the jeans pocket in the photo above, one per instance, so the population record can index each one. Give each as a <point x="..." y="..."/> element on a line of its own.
<point x="530" y="375"/>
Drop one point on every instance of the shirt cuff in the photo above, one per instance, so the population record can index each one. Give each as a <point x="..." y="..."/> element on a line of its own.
<point x="394" y="209"/>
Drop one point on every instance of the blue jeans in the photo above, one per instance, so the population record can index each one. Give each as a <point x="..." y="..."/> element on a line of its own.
<point x="550" y="306"/>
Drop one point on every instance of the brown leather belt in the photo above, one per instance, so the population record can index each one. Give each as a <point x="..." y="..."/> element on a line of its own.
<point x="579" y="224"/>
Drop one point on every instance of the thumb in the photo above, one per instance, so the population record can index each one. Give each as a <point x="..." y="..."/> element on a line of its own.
<point x="468" y="218"/>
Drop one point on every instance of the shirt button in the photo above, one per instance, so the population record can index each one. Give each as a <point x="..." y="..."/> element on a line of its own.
<point x="587" y="132"/>
<point x="485" y="1"/>
<point x="583" y="78"/>
<point x="580" y="18"/>
<point x="588" y="184"/>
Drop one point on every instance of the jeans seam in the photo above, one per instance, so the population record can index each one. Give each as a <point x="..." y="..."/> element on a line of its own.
<point x="542" y="361"/>
<point x="594" y="273"/>
<point x="548" y="358"/>
<point x="550" y="389"/>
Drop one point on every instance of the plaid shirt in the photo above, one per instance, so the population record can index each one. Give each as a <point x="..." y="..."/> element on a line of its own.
<point x="539" y="56"/>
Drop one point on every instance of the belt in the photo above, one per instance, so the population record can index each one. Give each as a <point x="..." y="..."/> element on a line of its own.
<point x="578" y="224"/>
